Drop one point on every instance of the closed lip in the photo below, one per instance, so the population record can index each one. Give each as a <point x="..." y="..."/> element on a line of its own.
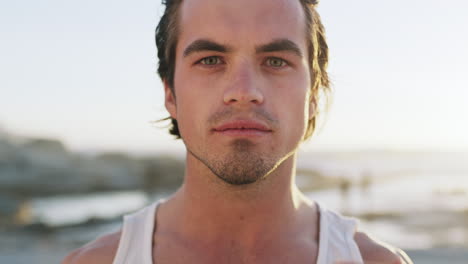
<point x="242" y="125"/>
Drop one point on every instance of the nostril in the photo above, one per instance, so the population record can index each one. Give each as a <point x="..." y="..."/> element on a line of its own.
<point x="243" y="94"/>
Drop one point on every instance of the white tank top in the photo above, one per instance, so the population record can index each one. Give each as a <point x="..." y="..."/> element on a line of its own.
<point x="336" y="239"/>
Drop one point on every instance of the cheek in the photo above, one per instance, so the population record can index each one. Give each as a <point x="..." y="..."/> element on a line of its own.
<point x="193" y="110"/>
<point x="292" y="104"/>
<point x="295" y="110"/>
<point x="195" y="85"/>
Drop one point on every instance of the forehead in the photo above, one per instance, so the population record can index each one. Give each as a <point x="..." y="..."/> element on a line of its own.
<point x="242" y="22"/>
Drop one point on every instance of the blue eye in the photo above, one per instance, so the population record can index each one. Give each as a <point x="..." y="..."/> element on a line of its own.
<point x="276" y="62"/>
<point x="213" y="60"/>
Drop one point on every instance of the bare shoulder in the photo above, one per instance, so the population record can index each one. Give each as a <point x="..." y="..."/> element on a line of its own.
<point x="376" y="252"/>
<point x="102" y="251"/>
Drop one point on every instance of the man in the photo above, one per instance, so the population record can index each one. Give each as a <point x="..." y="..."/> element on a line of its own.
<point x="241" y="80"/>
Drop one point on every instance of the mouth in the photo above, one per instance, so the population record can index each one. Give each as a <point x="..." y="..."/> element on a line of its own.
<point x="243" y="128"/>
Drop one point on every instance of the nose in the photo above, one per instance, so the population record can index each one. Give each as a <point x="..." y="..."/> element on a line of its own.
<point x="243" y="87"/>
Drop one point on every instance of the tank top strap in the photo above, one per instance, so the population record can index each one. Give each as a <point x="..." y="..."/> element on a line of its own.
<point x="136" y="239"/>
<point x="336" y="238"/>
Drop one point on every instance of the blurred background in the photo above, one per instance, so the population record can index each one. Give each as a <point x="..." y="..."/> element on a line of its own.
<point x="79" y="147"/>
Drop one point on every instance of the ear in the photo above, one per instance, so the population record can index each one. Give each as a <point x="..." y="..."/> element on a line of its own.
<point x="312" y="107"/>
<point x="170" y="100"/>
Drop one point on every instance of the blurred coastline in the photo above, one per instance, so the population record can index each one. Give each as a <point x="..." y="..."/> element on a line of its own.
<point x="53" y="200"/>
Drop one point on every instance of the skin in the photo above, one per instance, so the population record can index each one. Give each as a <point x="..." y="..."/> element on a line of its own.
<point x="210" y="219"/>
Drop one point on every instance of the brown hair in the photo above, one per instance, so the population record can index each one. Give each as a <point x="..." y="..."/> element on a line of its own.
<point x="166" y="42"/>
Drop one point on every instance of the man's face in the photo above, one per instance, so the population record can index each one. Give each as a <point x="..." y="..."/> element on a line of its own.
<point x="241" y="84"/>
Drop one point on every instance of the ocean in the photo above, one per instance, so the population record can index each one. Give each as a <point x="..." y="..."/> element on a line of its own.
<point x="418" y="202"/>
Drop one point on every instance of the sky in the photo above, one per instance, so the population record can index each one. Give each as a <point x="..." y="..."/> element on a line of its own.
<point x="84" y="72"/>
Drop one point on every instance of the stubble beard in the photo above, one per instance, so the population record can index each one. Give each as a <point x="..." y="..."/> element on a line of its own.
<point x="241" y="165"/>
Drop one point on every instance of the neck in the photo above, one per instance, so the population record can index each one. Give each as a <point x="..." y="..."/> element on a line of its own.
<point x="205" y="207"/>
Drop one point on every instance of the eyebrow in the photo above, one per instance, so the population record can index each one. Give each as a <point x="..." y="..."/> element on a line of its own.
<point x="274" y="46"/>
<point x="280" y="45"/>
<point x="205" y="45"/>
